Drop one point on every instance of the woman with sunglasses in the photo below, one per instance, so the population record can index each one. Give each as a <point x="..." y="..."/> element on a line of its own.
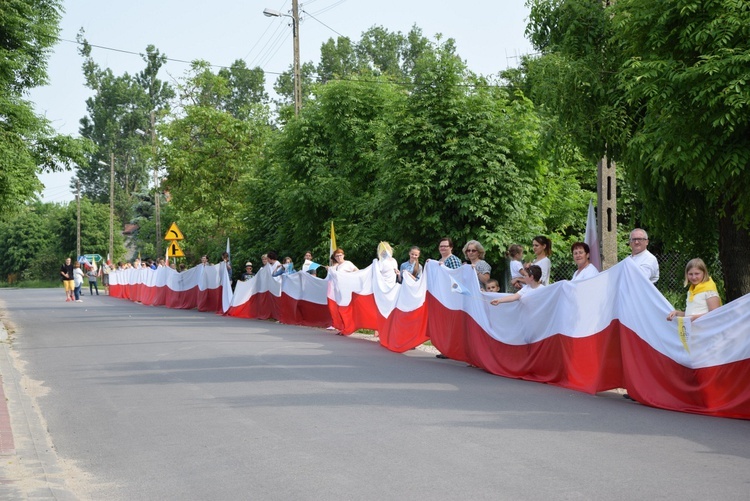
<point x="474" y="252"/>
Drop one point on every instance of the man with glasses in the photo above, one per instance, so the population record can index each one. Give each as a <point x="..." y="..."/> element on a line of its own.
<point x="449" y="260"/>
<point x="640" y="255"/>
<point x="645" y="261"/>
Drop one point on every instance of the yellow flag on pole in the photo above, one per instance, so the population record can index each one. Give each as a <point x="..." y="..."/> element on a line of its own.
<point x="333" y="241"/>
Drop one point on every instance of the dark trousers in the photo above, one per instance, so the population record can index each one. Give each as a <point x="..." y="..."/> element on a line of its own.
<point x="93" y="285"/>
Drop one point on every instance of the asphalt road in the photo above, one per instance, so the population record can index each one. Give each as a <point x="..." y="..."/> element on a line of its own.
<point x="115" y="400"/>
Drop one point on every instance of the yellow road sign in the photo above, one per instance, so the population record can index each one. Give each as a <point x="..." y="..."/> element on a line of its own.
<point x="174" y="233"/>
<point x="174" y="250"/>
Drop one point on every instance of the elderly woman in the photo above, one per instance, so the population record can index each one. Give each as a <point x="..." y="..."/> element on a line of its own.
<point x="474" y="253"/>
<point x="582" y="257"/>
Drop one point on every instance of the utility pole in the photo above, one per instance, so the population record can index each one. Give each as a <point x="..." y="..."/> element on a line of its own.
<point x="78" y="224"/>
<point x="157" y="191"/>
<point x="112" y="206"/>
<point x="606" y="197"/>
<point x="297" y="76"/>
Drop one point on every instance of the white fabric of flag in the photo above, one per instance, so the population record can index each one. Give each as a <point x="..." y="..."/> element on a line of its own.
<point x="592" y="238"/>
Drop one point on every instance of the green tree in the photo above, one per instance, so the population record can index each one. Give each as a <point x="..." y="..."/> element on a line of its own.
<point x="338" y="59"/>
<point x="452" y="154"/>
<point x="324" y="167"/>
<point x="26" y="236"/>
<point x="41" y="235"/>
<point x="208" y="151"/>
<point x="382" y="51"/>
<point x="463" y="161"/>
<point x="143" y="240"/>
<point x="685" y="77"/>
<point x="237" y="90"/>
<point x="28" y="144"/>
<point x="120" y="106"/>
<point x="662" y="87"/>
<point x="94" y="230"/>
<point x="379" y="52"/>
<point x="284" y="87"/>
<point x="573" y="84"/>
<point x="574" y="79"/>
<point x="246" y="89"/>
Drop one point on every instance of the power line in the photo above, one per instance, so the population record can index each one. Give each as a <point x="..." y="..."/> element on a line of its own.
<point x="281" y="36"/>
<point x="324" y="24"/>
<point x="56" y="190"/>
<point x="123" y="51"/>
<point x="326" y="9"/>
<point x="266" y="53"/>
<point x="268" y="27"/>
<point x="272" y="46"/>
<point x="130" y="52"/>
<point x="263" y="55"/>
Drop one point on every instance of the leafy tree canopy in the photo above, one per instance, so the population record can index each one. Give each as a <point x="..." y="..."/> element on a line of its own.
<point x="451" y="154"/>
<point x="28" y="144"/>
<point x="208" y="151"/>
<point x="38" y="237"/>
<point x="662" y="87"/>
<point x="574" y="78"/>
<point x="121" y="105"/>
<point x="463" y="161"/>
<point x="684" y="77"/>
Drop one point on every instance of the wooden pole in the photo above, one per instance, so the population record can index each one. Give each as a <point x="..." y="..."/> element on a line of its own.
<point x="78" y="218"/>
<point x="112" y="207"/>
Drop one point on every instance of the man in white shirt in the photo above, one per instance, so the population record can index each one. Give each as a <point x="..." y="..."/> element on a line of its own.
<point x="640" y="255"/>
<point x="645" y="261"/>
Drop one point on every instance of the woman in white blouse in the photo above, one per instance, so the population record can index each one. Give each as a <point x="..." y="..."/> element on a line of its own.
<point x="340" y="264"/>
<point x="582" y="257"/>
<point x="542" y="247"/>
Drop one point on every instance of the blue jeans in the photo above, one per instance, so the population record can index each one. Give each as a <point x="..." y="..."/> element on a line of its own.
<point x="93" y="285"/>
<point x="77" y="292"/>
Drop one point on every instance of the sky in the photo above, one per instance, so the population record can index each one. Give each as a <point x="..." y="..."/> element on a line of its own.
<point x="489" y="36"/>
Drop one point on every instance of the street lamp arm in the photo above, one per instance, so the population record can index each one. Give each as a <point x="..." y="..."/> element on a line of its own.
<point x="274" y="13"/>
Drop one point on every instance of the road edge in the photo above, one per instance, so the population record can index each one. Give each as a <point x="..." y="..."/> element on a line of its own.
<point x="29" y="468"/>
